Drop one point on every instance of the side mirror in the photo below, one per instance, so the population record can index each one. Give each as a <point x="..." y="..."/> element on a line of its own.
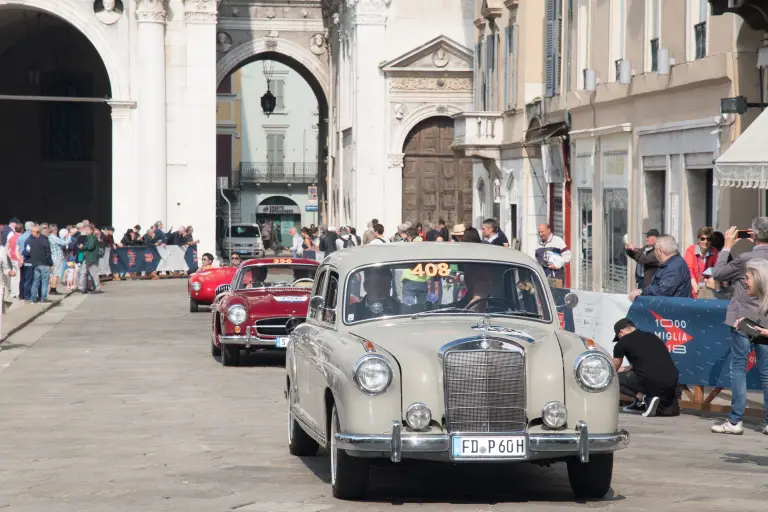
<point x="571" y="300"/>
<point x="317" y="302"/>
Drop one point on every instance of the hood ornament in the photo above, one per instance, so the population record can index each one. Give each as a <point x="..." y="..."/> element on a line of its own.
<point x="485" y="327"/>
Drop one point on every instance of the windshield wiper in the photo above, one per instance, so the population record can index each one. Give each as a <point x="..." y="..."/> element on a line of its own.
<point x="448" y="309"/>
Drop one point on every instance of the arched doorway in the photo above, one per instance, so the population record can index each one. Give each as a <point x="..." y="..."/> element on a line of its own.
<point x="280" y="211"/>
<point x="56" y="134"/>
<point x="436" y="183"/>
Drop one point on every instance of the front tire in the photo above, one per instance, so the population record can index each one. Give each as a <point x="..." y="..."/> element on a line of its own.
<point x="230" y="355"/>
<point x="299" y="443"/>
<point x="591" y="480"/>
<point x="194" y="307"/>
<point x="349" y="475"/>
<point x="215" y="351"/>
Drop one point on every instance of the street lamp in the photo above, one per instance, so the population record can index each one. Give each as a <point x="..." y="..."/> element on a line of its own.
<point x="268" y="102"/>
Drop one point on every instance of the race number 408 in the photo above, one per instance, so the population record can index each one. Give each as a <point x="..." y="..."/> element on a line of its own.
<point x="664" y="322"/>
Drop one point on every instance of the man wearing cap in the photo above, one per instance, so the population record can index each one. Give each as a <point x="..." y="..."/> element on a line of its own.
<point x="400" y="235"/>
<point x="651" y="380"/>
<point x="457" y="235"/>
<point x="647" y="262"/>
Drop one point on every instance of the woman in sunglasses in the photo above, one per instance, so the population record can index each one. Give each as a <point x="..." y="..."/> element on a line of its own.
<point x="699" y="257"/>
<point x="207" y="261"/>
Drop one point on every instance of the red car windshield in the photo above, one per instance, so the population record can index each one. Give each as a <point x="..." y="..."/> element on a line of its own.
<point x="275" y="276"/>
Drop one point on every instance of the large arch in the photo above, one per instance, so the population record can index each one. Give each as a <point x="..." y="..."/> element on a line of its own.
<point x="304" y="62"/>
<point x="90" y="27"/>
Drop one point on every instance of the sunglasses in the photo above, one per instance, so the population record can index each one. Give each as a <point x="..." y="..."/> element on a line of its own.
<point x="705" y="238"/>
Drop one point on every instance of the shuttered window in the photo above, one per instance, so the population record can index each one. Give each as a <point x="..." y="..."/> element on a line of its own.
<point x="278" y="89"/>
<point x="478" y="55"/>
<point x="553" y="49"/>
<point x="490" y="66"/>
<point x="275" y="150"/>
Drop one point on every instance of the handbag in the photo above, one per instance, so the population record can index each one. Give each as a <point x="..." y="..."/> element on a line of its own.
<point x="747" y="327"/>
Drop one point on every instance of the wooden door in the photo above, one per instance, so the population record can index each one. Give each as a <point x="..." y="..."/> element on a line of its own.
<point x="224" y="155"/>
<point x="436" y="184"/>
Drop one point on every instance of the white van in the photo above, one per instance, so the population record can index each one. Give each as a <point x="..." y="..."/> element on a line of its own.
<point x="245" y="240"/>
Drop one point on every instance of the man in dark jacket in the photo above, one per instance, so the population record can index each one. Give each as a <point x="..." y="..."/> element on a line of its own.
<point x="38" y="250"/>
<point x="673" y="278"/>
<point x="647" y="263"/>
<point x="328" y="241"/>
<point x="90" y="264"/>
<point x="651" y="380"/>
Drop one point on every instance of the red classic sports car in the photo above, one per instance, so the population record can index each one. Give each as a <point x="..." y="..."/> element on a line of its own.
<point x="268" y="298"/>
<point x="204" y="285"/>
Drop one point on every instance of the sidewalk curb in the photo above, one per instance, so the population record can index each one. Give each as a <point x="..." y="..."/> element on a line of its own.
<point x="34" y="317"/>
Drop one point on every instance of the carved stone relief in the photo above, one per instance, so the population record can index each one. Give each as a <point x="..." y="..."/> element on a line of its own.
<point x="400" y="83"/>
<point x="223" y="42"/>
<point x="270" y="12"/>
<point x="317" y="44"/>
<point x="203" y="11"/>
<point x="396" y="160"/>
<point x="440" y="58"/>
<point x="399" y="111"/>
<point x="150" y="11"/>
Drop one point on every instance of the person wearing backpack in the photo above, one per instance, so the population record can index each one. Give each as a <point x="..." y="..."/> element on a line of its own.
<point x="345" y="239"/>
<point x="378" y="231"/>
<point x="90" y="263"/>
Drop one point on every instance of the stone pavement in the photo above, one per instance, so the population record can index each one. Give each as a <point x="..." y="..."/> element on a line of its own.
<point x="113" y="402"/>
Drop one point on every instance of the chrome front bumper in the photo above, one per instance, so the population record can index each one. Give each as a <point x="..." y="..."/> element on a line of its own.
<point x="437" y="447"/>
<point x="249" y="339"/>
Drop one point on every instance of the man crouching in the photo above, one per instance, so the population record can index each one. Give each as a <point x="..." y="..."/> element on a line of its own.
<point x="651" y="379"/>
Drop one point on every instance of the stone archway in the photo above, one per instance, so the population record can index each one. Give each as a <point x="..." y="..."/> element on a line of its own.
<point x="436" y="183"/>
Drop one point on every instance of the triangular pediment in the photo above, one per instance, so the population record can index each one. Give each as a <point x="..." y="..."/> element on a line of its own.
<point x="439" y="54"/>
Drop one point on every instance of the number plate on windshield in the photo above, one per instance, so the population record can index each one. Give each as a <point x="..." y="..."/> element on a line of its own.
<point x="492" y="447"/>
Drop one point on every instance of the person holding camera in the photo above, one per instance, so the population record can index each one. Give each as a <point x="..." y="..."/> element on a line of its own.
<point x="743" y="305"/>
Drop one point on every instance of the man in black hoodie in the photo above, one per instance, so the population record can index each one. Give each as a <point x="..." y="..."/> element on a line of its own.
<point x="39" y="256"/>
<point x="328" y="241"/>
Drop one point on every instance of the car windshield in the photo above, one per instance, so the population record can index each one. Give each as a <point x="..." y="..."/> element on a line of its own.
<point x="275" y="276"/>
<point x="245" y="232"/>
<point x="425" y="288"/>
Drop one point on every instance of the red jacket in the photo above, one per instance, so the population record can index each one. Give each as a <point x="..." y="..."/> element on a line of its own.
<point x="697" y="263"/>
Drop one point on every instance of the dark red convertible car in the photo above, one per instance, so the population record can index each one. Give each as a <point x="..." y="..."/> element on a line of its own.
<point x="204" y="285"/>
<point x="268" y="298"/>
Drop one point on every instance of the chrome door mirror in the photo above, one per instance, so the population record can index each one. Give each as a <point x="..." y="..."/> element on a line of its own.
<point x="571" y="300"/>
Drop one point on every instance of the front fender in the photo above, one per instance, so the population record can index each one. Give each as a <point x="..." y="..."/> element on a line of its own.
<point x="600" y="411"/>
<point x="358" y="412"/>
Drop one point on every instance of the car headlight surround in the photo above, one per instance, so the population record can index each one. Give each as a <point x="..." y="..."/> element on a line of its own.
<point x="418" y="416"/>
<point x="372" y="374"/>
<point x="554" y="415"/>
<point x="237" y="314"/>
<point x="593" y="371"/>
<point x="196" y="286"/>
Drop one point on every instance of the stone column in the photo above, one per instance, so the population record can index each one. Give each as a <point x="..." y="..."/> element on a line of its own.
<point x="125" y="181"/>
<point x="152" y="174"/>
<point x="197" y="192"/>
<point x="369" y="19"/>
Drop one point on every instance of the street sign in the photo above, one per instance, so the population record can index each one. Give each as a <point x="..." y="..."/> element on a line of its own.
<point x="311" y="208"/>
<point x="311" y="199"/>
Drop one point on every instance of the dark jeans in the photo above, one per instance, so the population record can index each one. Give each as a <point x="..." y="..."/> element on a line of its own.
<point x="27" y="275"/>
<point x="630" y="385"/>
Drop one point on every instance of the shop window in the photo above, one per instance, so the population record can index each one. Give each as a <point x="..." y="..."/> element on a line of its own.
<point x="615" y="208"/>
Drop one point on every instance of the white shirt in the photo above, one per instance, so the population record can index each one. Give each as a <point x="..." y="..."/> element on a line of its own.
<point x="378" y="240"/>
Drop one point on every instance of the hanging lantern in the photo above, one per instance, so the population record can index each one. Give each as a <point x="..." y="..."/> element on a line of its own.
<point x="268" y="102"/>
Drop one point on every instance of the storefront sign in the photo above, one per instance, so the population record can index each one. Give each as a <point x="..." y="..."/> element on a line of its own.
<point x="279" y="209"/>
<point x="311" y="208"/>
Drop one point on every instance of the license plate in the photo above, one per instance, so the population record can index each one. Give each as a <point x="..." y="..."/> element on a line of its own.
<point x="282" y="341"/>
<point x="482" y="447"/>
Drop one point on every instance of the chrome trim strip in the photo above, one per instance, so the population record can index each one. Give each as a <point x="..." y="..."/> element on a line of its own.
<point x="396" y="444"/>
<point x="583" y="445"/>
<point x="252" y="341"/>
<point x="474" y="343"/>
<point x="309" y="427"/>
<point x="539" y="445"/>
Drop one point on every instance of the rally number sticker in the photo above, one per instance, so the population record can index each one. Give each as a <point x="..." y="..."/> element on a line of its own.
<point x="431" y="269"/>
<point x="282" y="260"/>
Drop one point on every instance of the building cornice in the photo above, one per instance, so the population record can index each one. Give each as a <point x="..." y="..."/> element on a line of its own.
<point x="600" y="131"/>
<point x="201" y="11"/>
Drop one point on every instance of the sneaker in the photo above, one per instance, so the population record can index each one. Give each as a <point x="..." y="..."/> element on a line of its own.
<point x="651" y="404"/>
<point x="636" y="407"/>
<point x="98" y="291"/>
<point x="728" y="428"/>
<point x="53" y="292"/>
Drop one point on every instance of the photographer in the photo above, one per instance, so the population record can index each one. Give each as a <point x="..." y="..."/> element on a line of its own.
<point x="743" y="305"/>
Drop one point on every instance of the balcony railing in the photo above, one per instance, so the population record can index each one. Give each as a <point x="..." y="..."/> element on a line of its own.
<point x="478" y="129"/>
<point x="285" y="172"/>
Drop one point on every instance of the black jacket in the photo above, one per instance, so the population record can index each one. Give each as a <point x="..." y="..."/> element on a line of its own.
<point x="647" y="262"/>
<point x="39" y="251"/>
<point x="328" y="243"/>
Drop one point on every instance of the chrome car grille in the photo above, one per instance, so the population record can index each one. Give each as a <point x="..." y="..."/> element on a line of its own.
<point x="223" y="288"/>
<point x="277" y="326"/>
<point x="484" y="391"/>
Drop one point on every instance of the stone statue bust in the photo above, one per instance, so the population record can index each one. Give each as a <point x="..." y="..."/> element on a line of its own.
<point x="108" y="11"/>
<point x="440" y="58"/>
<point x="223" y="42"/>
<point x="317" y="44"/>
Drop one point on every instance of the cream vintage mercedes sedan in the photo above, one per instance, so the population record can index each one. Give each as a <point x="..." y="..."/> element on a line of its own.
<point x="446" y="352"/>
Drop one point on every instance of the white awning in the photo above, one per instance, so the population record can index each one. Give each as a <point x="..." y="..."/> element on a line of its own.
<point x="745" y="163"/>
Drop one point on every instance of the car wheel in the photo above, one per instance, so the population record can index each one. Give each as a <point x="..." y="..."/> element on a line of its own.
<point x="299" y="443"/>
<point x="215" y="351"/>
<point x="591" y="479"/>
<point x="230" y="355"/>
<point x="349" y="475"/>
<point x="193" y="306"/>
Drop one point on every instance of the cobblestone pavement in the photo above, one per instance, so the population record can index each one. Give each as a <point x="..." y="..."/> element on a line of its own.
<point x="113" y="402"/>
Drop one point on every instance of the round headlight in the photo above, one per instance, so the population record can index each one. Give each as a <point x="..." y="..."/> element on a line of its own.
<point x="373" y="374"/>
<point x="196" y="286"/>
<point x="237" y="314"/>
<point x="554" y="415"/>
<point x="418" y="416"/>
<point x="593" y="371"/>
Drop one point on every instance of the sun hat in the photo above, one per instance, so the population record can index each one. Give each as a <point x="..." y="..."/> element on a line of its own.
<point x="458" y="230"/>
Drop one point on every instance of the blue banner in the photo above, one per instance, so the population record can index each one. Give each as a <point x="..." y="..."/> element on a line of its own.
<point x="190" y="258"/>
<point x="134" y="259"/>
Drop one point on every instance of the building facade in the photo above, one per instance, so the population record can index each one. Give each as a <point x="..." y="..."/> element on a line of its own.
<point x="624" y="132"/>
